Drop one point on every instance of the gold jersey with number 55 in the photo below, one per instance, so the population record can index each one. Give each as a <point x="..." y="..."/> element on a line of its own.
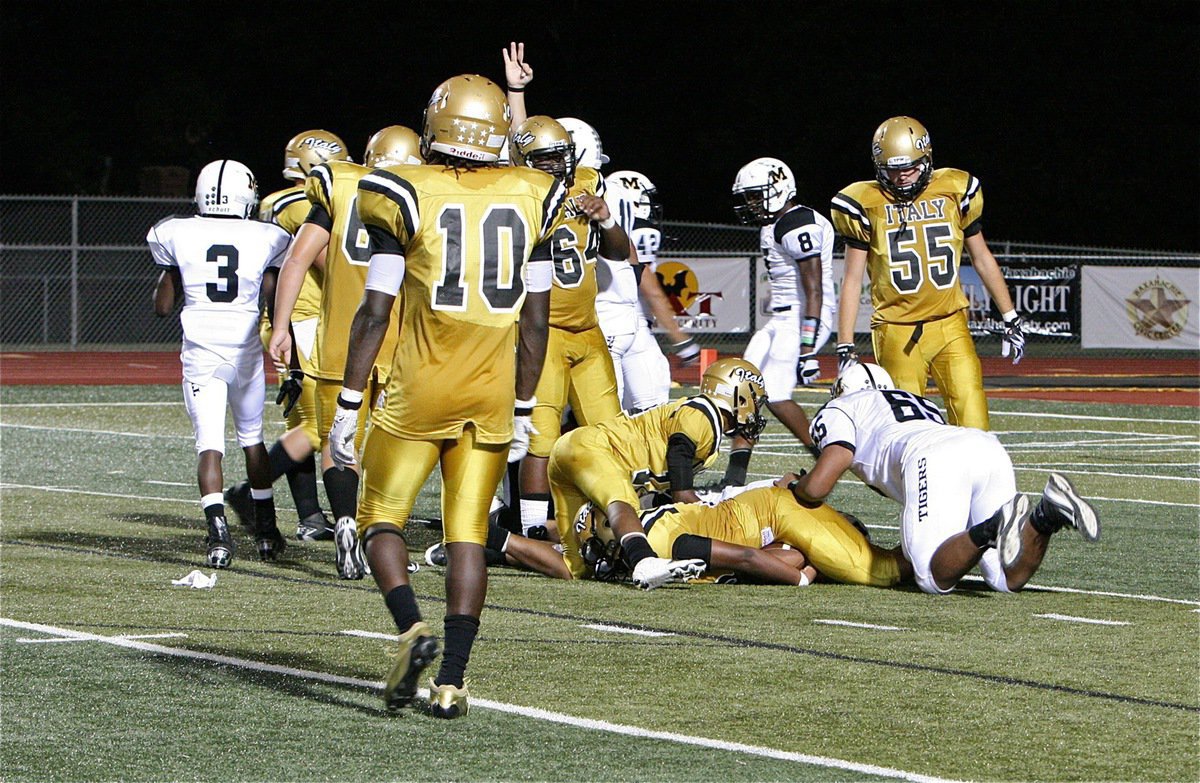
<point x="914" y="250"/>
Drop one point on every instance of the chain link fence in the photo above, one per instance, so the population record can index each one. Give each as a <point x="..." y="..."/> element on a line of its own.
<point x="75" y="272"/>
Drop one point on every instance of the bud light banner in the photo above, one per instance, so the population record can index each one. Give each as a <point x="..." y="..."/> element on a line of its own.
<point x="1043" y="296"/>
<point x="1141" y="307"/>
<point x="707" y="294"/>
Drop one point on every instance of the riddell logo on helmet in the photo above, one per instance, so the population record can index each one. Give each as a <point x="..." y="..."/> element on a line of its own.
<point x="312" y="142"/>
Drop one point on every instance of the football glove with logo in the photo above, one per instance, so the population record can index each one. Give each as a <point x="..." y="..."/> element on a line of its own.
<point x="1013" y="338"/>
<point x="522" y="429"/>
<point x="341" y="434"/>
<point x="688" y="352"/>
<point x="847" y="357"/>
<point x="289" y="391"/>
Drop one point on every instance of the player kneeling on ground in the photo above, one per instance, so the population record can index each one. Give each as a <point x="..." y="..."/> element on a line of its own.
<point x="957" y="486"/>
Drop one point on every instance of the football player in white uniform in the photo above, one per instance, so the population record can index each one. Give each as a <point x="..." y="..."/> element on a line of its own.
<point x="797" y="246"/>
<point x="218" y="262"/>
<point x="628" y="290"/>
<point x="961" y="506"/>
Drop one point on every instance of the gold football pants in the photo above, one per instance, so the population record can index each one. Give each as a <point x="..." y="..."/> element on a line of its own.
<point x="578" y="369"/>
<point x="944" y="349"/>
<point x="395" y="469"/>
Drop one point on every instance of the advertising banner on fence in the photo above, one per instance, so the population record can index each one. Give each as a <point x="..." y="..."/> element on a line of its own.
<point x="1141" y="307"/>
<point x="708" y="294"/>
<point x="1043" y="296"/>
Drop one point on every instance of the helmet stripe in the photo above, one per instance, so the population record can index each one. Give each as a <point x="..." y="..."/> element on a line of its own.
<point x="220" y="179"/>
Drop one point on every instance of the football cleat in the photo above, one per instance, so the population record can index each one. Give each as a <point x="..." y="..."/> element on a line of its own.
<point x="418" y="648"/>
<point x="1008" y="536"/>
<point x="1062" y="505"/>
<point x="436" y="555"/>
<point x="219" y="542"/>
<point x="350" y="561"/>
<point x="238" y="498"/>
<point x="652" y="572"/>
<point x="314" y="527"/>
<point x="270" y="543"/>
<point x="447" y="701"/>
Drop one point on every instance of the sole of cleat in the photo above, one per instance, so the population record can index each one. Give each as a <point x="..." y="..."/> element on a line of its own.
<point x="1085" y="519"/>
<point x="350" y="563"/>
<point x="422" y="654"/>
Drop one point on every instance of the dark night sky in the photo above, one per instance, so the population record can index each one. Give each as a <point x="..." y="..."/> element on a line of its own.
<point x="1080" y="118"/>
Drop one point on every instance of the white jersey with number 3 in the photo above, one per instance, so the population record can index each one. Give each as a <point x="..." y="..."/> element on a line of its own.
<point x="221" y="262"/>
<point x="884" y="428"/>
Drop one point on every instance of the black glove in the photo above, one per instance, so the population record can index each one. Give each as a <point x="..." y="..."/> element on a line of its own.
<point x="847" y="356"/>
<point x="289" y="391"/>
<point x="1014" y="339"/>
<point x="688" y="351"/>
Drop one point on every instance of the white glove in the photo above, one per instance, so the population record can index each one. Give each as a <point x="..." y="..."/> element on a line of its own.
<point x="341" y="437"/>
<point x="810" y="370"/>
<point x="652" y="572"/>
<point x="522" y="429"/>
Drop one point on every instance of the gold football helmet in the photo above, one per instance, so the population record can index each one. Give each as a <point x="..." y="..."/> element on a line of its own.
<point x="392" y="146"/>
<point x="467" y="117"/>
<point x="598" y="545"/>
<point x="311" y="148"/>
<point x="901" y="143"/>
<point x="542" y="143"/>
<point x="736" y="387"/>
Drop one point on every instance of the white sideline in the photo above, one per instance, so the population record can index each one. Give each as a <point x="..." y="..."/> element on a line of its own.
<point x="1067" y="618"/>
<point x="1090" y="418"/>
<point x="512" y="709"/>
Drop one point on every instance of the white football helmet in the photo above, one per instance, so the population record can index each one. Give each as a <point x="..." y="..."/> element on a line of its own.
<point x="638" y="190"/>
<point x="860" y="376"/>
<point x="760" y="190"/>
<point x="226" y="187"/>
<point x="588" y="150"/>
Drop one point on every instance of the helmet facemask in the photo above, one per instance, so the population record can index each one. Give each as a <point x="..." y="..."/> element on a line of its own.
<point x="559" y="161"/>
<point x="905" y="193"/>
<point x="735" y="386"/>
<point x="750" y="206"/>
<point x="598" y="545"/>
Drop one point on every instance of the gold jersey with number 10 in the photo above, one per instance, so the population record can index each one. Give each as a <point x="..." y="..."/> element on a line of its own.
<point x="465" y="236"/>
<point x="913" y="250"/>
<point x="333" y="186"/>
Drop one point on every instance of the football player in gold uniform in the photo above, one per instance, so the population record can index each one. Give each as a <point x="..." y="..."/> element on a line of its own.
<point x="333" y="228"/>
<point x="292" y="454"/>
<point x="468" y="242"/>
<point x="655" y="450"/>
<point x="578" y="367"/>
<point x="906" y="230"/>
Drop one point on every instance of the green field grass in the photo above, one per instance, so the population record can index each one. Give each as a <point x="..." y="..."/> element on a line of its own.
<point x="111" y="673"/>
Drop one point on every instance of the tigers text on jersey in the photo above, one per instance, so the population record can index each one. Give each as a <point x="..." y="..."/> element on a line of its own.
<point x="913" y="250"/>
<point x="576" y="244"/>
<point x="333" y="187"/>
<point x="639" y="440"/>
<point x="798" y="234"/>
<point x="221" y="262"/>
<point x="287" y="209"/>
<point x="884" y="428"/>
<point x="465" y="236"/>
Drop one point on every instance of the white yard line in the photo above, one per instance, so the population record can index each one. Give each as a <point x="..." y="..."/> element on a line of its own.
<point x="868" y="626"/>
<point x="85" y="404"/>
<point x="60" y="640"/>
<point x="97" y="432"/>
<point x="1066" y="618"/>
<point x="624" y="629"/>
<point x="512" y="709"/>
<point x="68" y="491"/>
<point x="1077" y="417"/>
<point x="390" y="637"/>
<point x="169" y="483"/>
<point x="1151" y="476"/>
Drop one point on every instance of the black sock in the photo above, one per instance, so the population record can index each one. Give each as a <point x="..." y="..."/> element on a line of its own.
<point x="403" y="605"/>
<point x="637" y="549"/>
<point x="264" y="513"/>
<point x="302" y="480"/>
<point x="984" y="535"/>
<point x="739" y="462"/>
<point x="497" y="537"/>
<point x="460" y="636"/>
<point x="1043" y="521"/>
<point x="341" y="487"/>
<point x="281" y="463"/>
<point x="510" y="516"/>
<point x="214" y="511"/>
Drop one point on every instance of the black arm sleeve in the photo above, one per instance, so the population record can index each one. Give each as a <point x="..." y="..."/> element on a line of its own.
<point x="319" y="216"/>
<point x="681" y="460"/>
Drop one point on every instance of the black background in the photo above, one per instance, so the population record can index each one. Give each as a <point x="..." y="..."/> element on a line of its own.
<point x="1079" y="118"/>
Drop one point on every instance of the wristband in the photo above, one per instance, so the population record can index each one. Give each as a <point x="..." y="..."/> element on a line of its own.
<point x="1010" y="315"/>
<point x="607" y="224"/>
<point x="349" y="399"/>
<point x="524" y="407"/>
<point x="514" y="89"/>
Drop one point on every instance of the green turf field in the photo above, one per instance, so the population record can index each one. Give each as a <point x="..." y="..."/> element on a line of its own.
<point x="111" y="673"/>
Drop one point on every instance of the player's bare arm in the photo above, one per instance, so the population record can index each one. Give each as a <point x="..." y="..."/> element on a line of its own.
<point x="813" y="487"/>
<point x="367" y="331"/>
<point x="309" y="242"/>
<point x="614" y="242"/>
<point x="533" y="329"/>
<point x="989" y="272"/>
<point x="856" y="265"/>
<point x="758" y="565"/>
<point x="517" y="76"/>
<point x="167" y="292"/>
<point x="660" y="307"/>
<point x="810" y="277"/>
